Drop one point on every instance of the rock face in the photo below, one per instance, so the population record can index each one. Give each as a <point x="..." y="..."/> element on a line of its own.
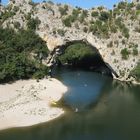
<point x="56" y="32"/>
<point x="17" y="2"/>
<point x="135" y="1"/>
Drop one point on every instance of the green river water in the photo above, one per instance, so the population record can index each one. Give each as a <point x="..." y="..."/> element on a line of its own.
<point x="96" y="108"/>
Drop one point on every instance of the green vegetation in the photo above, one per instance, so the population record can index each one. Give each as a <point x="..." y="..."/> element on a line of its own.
<point x="16" y="55"/>
<point x="6" y="14"/>
<point x="112" y="21"/>
<point x="94" y="14"/>
<point x="104" y="22"/>
<point x="122" y="5"/>
<point x="104" y="16"/>
<point x="137" y="29"/>
<point x="33" y="24"/>
<point x="135" y="51"/>
<point x="71" y="18"/>
<point x="63" y="10"/>
<point x="67" y="21"/>
<point x="134" y="48"/>
<point x="125" y="53"/>
<point x="110" y="44"/>
<point x="138" y="7"/>
<point x="22" y="51"/>
<point x="122" y="27"/>
<point x="85" y="29"/>
<point x="76" y="54"/>
<point x="77" y="15"/>
<point x="136" y="72"/>
<point x="83" y="15"/>
<point x="32" y="3"/>
<point x="17" y="25"/>
<point x="99" y="29"/>
<point x="61" y="32"/>
<point x="15" y="9"/>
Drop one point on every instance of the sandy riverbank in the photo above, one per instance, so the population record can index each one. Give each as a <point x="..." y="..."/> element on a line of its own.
<point x="27" y="102"/>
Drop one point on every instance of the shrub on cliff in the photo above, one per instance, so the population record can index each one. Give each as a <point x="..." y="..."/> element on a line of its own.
<point x="17" y="25"/>
<point x="83" y="15"/>
<point x="125" y="53"/>
<point x="33" y="23"/>
<point x="61" y="32"/>
<point x="138" y="7"/>
<point x="94" y="14"/>
<point x="63" y="10"/>
<point x="75" y="16"/>
<point x="135" y="52"/>
<point x="6" y="14"/>
<point x="104" y="16"/>
<point x="136" y="72"/>
<point x="122" y="27"/>
<point x="122" y="5"/>
<point x="99" y="29"/>
<point x="67" y="21"/>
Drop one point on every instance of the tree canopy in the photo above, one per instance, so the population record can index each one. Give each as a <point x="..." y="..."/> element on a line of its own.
<point x="16" y="60"/>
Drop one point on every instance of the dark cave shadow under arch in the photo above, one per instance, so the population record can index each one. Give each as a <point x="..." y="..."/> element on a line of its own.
<point x="60" y="50"/>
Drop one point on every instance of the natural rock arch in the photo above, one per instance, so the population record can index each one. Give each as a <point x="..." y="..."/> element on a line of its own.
<point x="58" y="50"/>
<point x="120" y="68"/>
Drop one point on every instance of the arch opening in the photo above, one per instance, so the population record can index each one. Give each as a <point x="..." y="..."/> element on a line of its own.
<point x="81" y="55"/>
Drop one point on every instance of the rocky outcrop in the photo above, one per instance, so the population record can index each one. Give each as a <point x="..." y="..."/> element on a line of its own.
<point x="56" y="34"/>
<point x="136" y="1"/>
<point x="104" y="51"/>
<point x="19" y="2"/>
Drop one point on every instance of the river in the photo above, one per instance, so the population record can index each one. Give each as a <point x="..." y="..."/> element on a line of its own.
<point x="96" y="108"/>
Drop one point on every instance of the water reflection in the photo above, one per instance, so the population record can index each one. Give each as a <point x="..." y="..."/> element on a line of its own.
<point x="110" y="112"/>
<point x="83" y="90"/>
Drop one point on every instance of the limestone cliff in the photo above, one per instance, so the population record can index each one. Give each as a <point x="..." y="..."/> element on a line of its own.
<point x="115" y="33"/>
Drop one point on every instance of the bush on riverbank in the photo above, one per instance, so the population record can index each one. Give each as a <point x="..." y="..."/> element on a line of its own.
<point x="20" y="55"/>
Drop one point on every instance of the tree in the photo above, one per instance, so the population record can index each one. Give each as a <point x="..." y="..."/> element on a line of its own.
<point x="16" y="61"/>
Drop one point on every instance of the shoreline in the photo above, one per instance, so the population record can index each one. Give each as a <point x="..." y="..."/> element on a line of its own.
<point x="28" y="102"/>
